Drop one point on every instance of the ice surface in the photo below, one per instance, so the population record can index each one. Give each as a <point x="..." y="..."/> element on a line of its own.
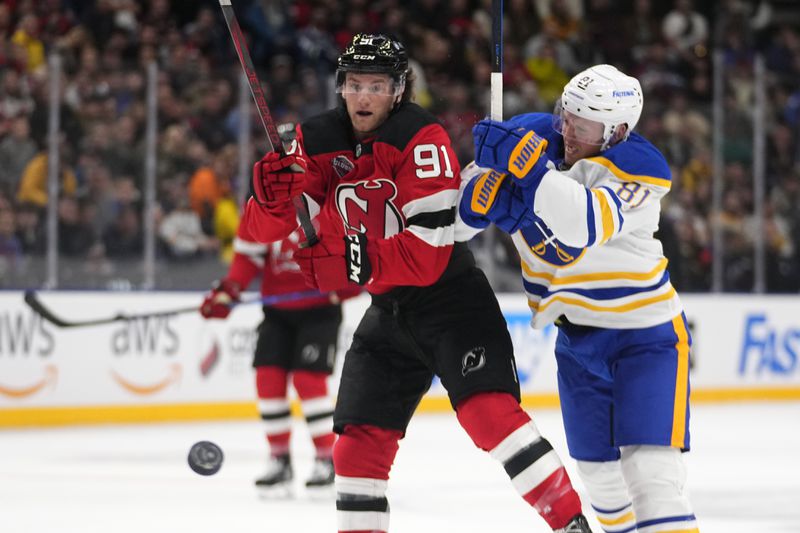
<point x="744" y="477"/>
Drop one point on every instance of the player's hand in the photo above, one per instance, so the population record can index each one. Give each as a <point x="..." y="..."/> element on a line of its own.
<point x="333" y="264"/>
<point x="217" y="303"/>
<point x="491" y="197"/>
<point x="278" y="179"/>
<point x="504" y="146"/>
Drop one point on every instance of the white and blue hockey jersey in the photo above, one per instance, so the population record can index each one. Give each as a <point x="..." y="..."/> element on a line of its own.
<point x="590" y="254"/>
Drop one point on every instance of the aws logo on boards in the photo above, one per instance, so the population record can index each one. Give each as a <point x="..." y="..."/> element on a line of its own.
<point x="26" y="347"/>
<point x="144" y="353"/>
<point x="768" y="348"/>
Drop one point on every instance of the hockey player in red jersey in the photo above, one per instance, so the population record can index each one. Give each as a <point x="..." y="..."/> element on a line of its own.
<point x="296" y="341"/>
<point x="381" y="182"/>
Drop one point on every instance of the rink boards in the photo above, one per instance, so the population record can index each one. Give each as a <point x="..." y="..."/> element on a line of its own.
<point x="185" y="368"/>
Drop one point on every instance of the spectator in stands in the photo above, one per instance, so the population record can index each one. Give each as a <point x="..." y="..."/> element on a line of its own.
<point x="124" y="238"/>
<point x="564" y="16"/>
<point x="210" y="183"/>
<point x="684" y="28"/>
<point x="16" y="151"/>
<point x="27" y="38"/>
<point x="76" y="237"/>
<point x="10" y="248"/>
<point x="106" y="44"/>
<point x="33" y="184"/>
<point x="29" y="229"/>
<point x="182" y="233"/>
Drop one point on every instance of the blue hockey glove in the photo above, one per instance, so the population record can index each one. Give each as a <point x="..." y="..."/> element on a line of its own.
<point x="491" y="197"/>
<point x="470" y="217"/>
<point x="504" y="146"/>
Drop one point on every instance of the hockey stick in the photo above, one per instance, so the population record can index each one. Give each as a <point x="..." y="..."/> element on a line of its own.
<point x="33" y="301"/>
<point x="496" y="88"/>
<point x="495" y="107"/>
<point x="273" y="138"/>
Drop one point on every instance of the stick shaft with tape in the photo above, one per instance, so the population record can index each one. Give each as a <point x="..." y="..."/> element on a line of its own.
<point x="273" y="138"/>
<point x="496" y="90"/>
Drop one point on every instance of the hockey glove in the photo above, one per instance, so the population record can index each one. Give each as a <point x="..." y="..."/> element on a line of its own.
<point x="217" y="303"/>
<point x="277" y="179"/>
<point x="504" y="146"/>
<point x="332" y="264"/>
<point x="490" y="197"/>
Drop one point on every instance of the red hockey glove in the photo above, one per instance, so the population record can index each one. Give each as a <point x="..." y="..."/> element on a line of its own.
<point x="332" y="265"/>
<point x="277" y="179"/>
<point x="217" y="303"/>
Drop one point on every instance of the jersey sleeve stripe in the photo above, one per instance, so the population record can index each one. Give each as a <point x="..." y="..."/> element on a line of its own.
<point x="254" y="251"/>
<point x="618" y="203"/>
<point x="433" y="202"/>
<point x="621" y="174"/>
<point x="248" y="248"/>
<point x="437" y="237"/>
<point x="606" y="216"/>
<point x="590" y="223"/>
<point x="433" y="220"/>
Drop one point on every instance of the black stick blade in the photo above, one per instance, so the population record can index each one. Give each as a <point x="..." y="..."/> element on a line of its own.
<point x="38" y="307"/>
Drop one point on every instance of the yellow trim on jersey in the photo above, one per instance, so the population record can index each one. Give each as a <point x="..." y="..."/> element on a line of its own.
<point x="598" y="276"/>
<point x="605" y="215"/>
<point x="628" y="517"/>
<point x="681" y="384"/>
<point x="621" y="174"/>
<point x="592" y="307"/>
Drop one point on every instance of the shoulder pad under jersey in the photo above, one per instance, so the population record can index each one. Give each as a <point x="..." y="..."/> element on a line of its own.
<point x="638" y="157"/>
<point x="403" y="125"/>
<point x="327" y="132"/>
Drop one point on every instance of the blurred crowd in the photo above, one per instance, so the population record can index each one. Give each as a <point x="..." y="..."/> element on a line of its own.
<point x="106" y="45"/>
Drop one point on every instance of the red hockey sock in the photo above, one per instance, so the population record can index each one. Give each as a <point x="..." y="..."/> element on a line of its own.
<point x="366" y="451"/>
<point x="273" y="407"/>
<point x="312" y="388"/>
<point x="497" y="423"/>
<point x="362" y="457"/>
<point x="271" y="382"/>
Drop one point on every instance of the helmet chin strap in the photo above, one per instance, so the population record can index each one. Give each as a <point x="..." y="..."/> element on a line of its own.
<point x="616" y="135"/>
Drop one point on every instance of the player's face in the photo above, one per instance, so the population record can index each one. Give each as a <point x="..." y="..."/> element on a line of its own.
<point x="582" y="137"/>
<point x="369" y="99"/>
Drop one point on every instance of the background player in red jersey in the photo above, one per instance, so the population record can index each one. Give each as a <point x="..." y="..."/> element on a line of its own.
<point x="297" y="341"/>
<point x="382" y="181"/>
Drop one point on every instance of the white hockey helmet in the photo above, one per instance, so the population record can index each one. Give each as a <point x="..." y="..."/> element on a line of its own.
<point x="601" y="94"/>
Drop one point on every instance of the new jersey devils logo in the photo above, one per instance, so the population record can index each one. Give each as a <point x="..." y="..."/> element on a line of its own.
<point x="473" y="360"/>
<point x="367" y="207"/>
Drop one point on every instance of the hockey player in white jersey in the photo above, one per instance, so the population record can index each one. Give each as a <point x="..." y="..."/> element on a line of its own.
<point x="579" y="193"/>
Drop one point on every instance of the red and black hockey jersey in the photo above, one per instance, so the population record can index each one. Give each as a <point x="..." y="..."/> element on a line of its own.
<point x="399" y="188"/>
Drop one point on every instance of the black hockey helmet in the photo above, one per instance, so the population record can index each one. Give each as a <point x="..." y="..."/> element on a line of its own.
<point x="373" y="53"/>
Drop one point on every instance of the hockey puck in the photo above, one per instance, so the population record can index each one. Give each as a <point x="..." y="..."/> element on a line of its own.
<point x="205" y="458"/>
